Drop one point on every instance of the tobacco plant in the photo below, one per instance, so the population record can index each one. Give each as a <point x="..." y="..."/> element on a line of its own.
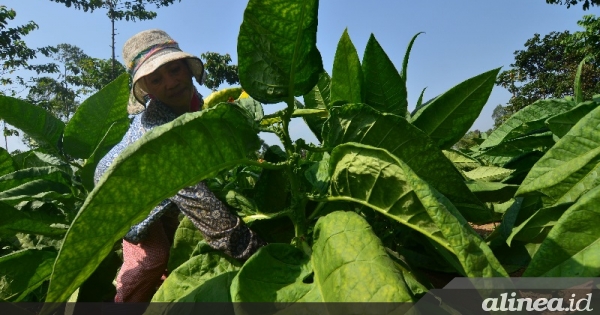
<point x="379" y="211"/>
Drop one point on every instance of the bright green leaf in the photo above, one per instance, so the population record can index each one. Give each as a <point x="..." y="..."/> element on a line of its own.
<point x="95" y="116"/>
<point x="377" y="179"/>
<point x="385" y="90"/>
<point x="570" y="167"/>
<point x="488" y="173"/>
<point x="450" y="115"/>
<point x="192" y="274"/>
<point x="527" y="120"/>
<point x="360" y="123"/>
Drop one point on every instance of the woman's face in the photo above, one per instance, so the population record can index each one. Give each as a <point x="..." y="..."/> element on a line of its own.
<point x="172" y="85"/>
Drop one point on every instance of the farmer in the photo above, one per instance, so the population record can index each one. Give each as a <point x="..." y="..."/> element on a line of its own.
<point x="162" y="90"/>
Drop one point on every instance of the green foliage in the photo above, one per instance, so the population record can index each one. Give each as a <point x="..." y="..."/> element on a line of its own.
<point x="585" y="3"/>
<point x="379" y="206"/>
<point x="449" y="116"/>
<point x="118" y="9"/>
<point x="548" y="66"/>
<point x="218" y="70"/>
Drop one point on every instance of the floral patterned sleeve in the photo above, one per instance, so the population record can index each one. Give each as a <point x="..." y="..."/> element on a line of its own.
<point x="221" y="229"/>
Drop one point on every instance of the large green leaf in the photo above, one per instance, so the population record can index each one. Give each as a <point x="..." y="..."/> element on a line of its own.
<point x="450" y="115"/>
<point x="186" y="239"/>
<point x="347" y="76"/>
<point x="36" y="122"/>
<point x="527" y="120"/>
<point x="360" y="123"/>
<point x="377" y="179"/>
<point x="193" y="273"/>
<point x="540" y="141"/>
<point x="95" y="116"/>
<point x="23" y="176"/>
<point x="193" y="147"/>
<point x="385" y="90"/>
<point x="570" y="167"/>
<point x="23" y="271"/>
<point x="572" y="248"/>
<point x="346" y="252"/>
<point x="277" y="53"/>
<point x="562" y="123"/>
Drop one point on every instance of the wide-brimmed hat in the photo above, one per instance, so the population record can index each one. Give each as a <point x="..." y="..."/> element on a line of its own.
<point x="145" y="52"/>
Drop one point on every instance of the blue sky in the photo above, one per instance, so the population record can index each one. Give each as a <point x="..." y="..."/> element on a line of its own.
<point x="462" y="38"/>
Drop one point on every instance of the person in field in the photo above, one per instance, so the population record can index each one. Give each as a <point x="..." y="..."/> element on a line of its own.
<point x="162" y="90"/>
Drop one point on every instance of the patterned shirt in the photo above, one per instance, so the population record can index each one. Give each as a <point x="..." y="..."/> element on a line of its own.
<point x="221" y="229"/>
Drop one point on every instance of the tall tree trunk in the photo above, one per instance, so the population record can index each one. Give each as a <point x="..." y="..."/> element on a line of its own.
<point x="112" y="22"/>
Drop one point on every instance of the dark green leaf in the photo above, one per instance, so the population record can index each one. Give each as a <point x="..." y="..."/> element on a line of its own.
<point x="7" y="164"/>
<point x="527" y="120"/>
<point x="572" y="247"/>
<point x="23" y="271"/>
<point x="539" y="224"/>
<point x="347" y="75"/>
<point x="407" y="56"/>
<point x="277" y="52"/>
<point x="13" y="221"/>
<point x="385" y="90"/>
<point x="561" y="124"/>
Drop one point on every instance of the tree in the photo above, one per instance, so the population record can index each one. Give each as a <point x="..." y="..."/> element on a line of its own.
<point x="547" y="67"/>
<point x="15" y="54"/>
<point x="73" y="76"/>
<point x="569" y="3"/>
<point x="218" y="70"/>
<point x="118" y="10"/>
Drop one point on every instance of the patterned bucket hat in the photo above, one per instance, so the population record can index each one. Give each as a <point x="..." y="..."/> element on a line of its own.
<point x="145" y="52"/>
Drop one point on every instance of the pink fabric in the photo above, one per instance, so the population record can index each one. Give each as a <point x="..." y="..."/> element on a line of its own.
<point x="146" y="263"/>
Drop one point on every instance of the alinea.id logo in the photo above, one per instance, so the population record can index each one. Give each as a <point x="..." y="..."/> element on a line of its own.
<point x="504" y="303"/>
